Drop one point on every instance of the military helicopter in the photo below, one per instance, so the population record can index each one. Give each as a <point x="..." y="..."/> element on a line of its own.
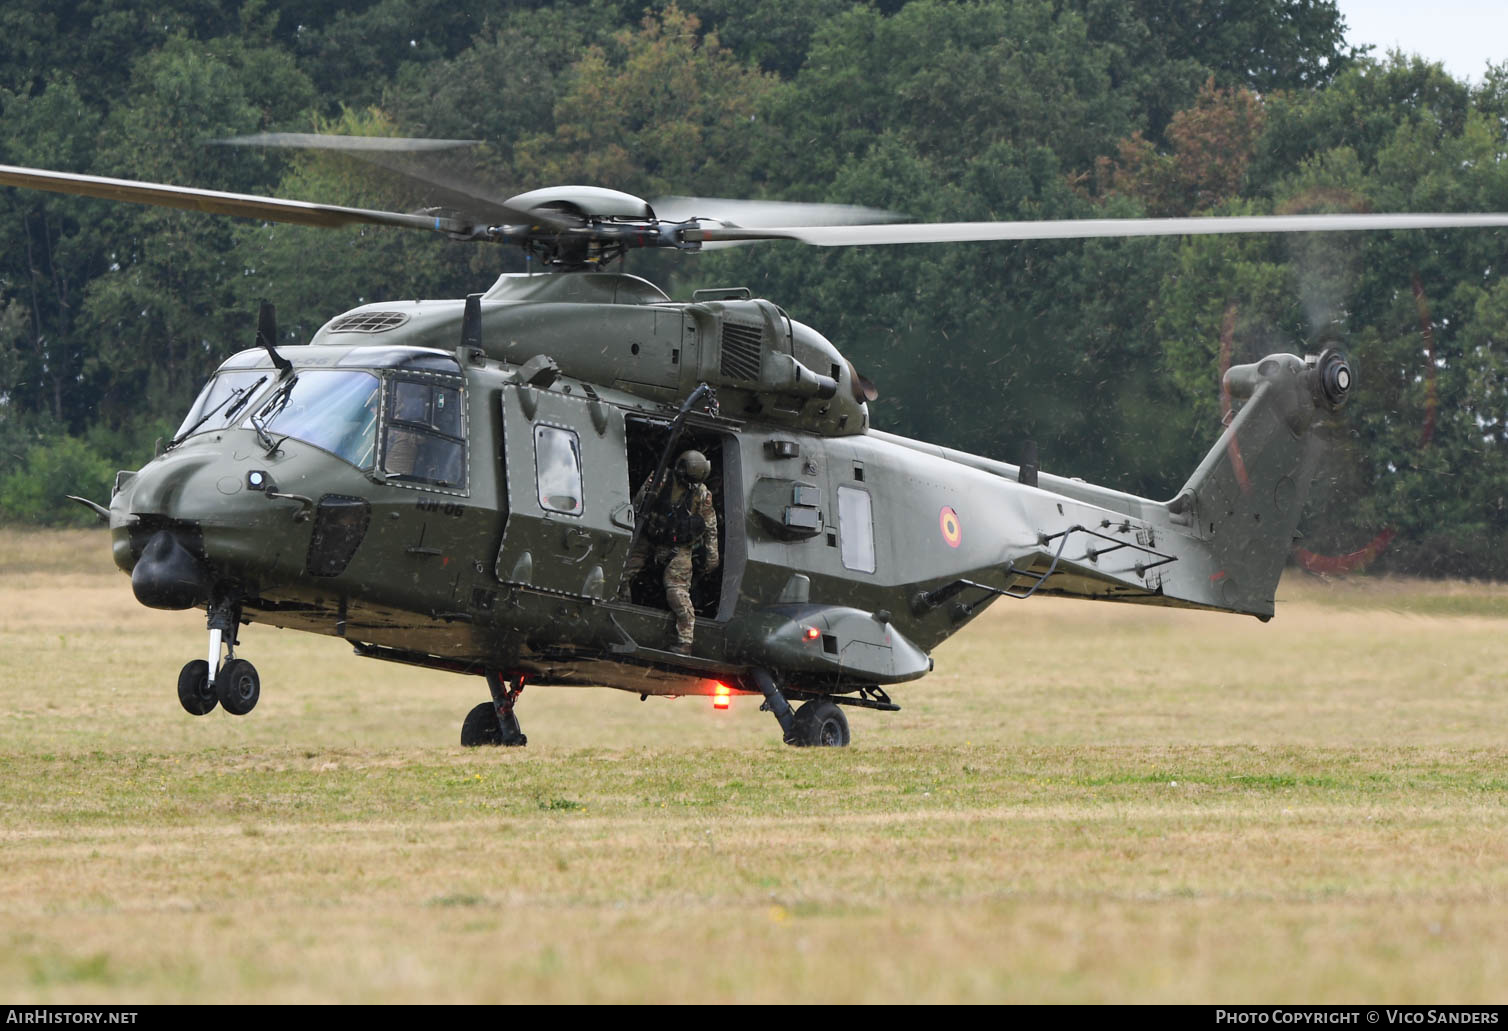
<point x="452" y="483"/>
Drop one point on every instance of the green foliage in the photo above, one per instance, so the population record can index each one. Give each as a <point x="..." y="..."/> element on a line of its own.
<point x="1107" y="353"/>
<point x="33" y="490"/>
<point x="661" y="109"/>
<point x="312" y="274"/>
<point x="774" y="33"/>
<point x="504" y="87"/>
<point x="1211" y="146"/>
<point x="952" y="80"/>
<point x="1420" y="452"/>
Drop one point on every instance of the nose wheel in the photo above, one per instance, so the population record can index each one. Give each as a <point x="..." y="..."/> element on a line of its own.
<point x="235" y="684"/>
<point x="238" y="686"/>
<point x="195" y="692"/>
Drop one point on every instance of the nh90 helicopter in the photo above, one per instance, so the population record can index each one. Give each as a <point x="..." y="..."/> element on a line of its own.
<point x="452" y="483"/>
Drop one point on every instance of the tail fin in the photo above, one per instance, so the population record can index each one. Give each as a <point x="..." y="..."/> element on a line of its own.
<point x="1243" y="502"/>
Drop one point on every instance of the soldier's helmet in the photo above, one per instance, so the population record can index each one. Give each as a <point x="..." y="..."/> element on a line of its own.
<point x="692" y="467"/>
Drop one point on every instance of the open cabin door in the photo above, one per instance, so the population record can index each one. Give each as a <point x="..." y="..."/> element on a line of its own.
<point x="570" y="514"/>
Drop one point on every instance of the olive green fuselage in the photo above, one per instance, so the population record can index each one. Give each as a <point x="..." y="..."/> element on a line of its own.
<point x="848" y="554"/>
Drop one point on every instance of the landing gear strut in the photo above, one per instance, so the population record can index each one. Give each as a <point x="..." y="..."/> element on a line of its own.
<point x="494" y="722"/>
<point x="818" y="723"/>
<point x="204" y="683"/>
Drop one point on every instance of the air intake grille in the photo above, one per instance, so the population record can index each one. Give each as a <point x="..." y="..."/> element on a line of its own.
<point x="369" y="322"/>
<point x="339" y="525"/>
<point x="741" y="351"/>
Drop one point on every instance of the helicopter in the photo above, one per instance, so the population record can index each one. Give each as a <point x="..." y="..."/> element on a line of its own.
<point x="457" y="484"/>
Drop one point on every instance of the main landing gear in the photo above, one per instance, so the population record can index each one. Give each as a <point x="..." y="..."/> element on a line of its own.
<point x="818" y="723"/>
<point x="234" y="683"/>
<point x="494" y="722"/>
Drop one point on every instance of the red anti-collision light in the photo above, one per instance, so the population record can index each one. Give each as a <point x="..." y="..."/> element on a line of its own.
<point x="721" y="696"/>
<point x="812" y="633"/>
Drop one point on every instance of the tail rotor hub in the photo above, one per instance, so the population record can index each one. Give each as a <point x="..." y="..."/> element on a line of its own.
<point x="1334" y="378"/>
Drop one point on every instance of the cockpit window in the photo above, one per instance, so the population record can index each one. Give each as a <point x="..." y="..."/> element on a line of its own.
<point x="333" y="410"/>
<point x="222" y="401"/>
<point x="425" y="439"/>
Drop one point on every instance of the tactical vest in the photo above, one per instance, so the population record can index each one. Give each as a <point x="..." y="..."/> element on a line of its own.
<point x="672" y="523"/>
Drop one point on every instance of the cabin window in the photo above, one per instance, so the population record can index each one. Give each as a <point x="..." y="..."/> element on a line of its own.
<point x="557" y="466"/>
<point x="336" y="411"/>
<point x="856" y="529"/>
<point x="424" y="437"/>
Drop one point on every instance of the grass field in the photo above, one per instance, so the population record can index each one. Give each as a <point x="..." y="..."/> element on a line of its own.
<point x="1085" y="803"/>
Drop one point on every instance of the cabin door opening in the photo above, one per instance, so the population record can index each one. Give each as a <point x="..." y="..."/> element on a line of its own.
<point x="713" y="592"/>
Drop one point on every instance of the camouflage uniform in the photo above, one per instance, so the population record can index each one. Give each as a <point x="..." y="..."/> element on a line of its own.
<point x="676" y="557"/>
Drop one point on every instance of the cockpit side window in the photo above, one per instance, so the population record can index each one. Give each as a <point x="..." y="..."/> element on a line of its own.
<point x="222" y="401"/>
<point x="424" y="436"/>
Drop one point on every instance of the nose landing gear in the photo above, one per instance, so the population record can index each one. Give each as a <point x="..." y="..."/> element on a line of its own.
<point x="204" y="683"/>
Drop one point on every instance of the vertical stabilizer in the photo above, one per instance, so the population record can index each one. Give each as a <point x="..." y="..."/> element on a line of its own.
<point x="1244" y="500"/>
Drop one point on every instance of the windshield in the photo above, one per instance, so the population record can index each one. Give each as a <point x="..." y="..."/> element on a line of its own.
<point x="223" y="398"/>
<point x="334" y="410"/>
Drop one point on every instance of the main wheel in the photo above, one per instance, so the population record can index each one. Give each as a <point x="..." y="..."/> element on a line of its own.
<point x="238" y="686"/>
<point x="482" y="727"/>
<point x="820" y="724"/>
<point x="194" y="692"/>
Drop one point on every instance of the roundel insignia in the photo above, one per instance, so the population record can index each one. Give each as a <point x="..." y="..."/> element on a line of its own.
<point x="952" y="529"/>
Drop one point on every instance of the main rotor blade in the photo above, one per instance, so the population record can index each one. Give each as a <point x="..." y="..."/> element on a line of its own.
<point x="331" y="141"/>
<point x="401" y="155"/>
<point x="274" y="209"/>
<point x="755" y="214"/>
<point x="1071" y="229"/>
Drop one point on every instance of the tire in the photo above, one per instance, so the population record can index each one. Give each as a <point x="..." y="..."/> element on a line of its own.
<point x="194" y="692"/>
<point x="238" y="686"/>
<point x="820" y="724"/>
<point x="482" y="727"/>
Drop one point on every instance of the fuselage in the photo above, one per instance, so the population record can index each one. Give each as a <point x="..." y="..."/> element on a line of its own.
<point x="470" y="507"/>
<point x="514" y="564"/>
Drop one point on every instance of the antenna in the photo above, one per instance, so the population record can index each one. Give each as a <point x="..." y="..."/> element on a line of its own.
<point x="471" y="323"/>
<point x="267" y="334"/>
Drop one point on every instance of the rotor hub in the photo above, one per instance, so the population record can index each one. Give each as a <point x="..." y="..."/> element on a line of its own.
<point x="1335" y="377"/>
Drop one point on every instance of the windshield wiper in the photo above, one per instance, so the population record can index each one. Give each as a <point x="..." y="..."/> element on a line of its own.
<point x="230" y="413"/>
<point x="271" y="410"/>
<point x="244" y="393"/>
<point x="262" y="436"/>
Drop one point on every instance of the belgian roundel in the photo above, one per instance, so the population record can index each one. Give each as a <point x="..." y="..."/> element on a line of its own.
<point x="952" y="529"/>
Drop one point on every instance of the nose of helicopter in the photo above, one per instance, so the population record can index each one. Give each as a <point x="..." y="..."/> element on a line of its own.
<point x="168" y="575"/>
<point x="187" y="519"/>
<point x="156" y="542"/>
<point x="166" y="483"/>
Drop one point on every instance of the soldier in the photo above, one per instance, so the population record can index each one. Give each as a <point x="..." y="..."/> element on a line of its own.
<point x="680" y="518"/>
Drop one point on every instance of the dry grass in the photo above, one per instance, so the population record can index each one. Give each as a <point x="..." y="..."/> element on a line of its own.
<point x="1084" y="803"/>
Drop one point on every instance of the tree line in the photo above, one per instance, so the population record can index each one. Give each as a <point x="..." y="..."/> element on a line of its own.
<point x="1106" y="353"/>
